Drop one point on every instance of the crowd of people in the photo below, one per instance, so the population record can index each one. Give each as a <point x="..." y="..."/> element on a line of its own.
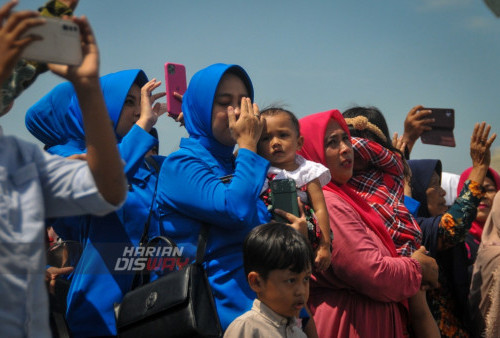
<point x="375" y="251"/>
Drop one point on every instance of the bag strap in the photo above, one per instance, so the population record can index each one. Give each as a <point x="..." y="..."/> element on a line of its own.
<point x="144" y="237"/>
<point x="202" y="243"/>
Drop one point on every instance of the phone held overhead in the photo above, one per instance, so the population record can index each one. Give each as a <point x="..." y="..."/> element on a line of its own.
<point x="60" y="43"/>
<point x="442" y="128"/>
<point x="175" y="81"/>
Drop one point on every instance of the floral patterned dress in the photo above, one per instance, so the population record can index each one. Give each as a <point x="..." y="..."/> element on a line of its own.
<point x="447" y="302"/>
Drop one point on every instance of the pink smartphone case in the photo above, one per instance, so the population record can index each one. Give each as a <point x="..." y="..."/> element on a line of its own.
<point x="175" y="81"/>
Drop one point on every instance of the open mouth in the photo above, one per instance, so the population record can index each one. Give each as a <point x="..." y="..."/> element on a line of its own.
<point x="347" y="163"/>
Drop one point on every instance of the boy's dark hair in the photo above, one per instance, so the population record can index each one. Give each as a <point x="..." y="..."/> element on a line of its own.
<point x="276" y="246"/>
<point x="272" y="111"/>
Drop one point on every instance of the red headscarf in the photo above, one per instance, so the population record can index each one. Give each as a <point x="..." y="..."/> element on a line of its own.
<point x="476" y="228"/>
<point x="313" y="128"/>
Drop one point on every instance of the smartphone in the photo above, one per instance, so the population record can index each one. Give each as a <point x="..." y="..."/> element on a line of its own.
<point x="175" y="81"/>
<point x="61" y="43"/>
<point x="284" y="197"/>
<point x="442" y="128"/>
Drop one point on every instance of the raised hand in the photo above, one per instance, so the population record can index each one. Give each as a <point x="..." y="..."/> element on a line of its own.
<point x="480" y="145"/>
<point x="415" y="124"/>
<point x="149" y="113"/>
<point x="89" y="68"/>
<point x="398" y="143"/>
<point x="247" y="128"/>
<point x="12" y="28"/>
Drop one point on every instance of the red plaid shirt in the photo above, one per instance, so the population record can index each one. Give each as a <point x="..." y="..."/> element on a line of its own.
<point x="382" y="186"/>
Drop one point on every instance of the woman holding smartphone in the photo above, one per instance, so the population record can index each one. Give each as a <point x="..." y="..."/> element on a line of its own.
<point x="203" y="182"/>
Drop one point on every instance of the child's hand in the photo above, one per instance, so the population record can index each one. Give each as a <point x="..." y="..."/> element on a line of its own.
<point x="89" y="68"/>
<point x="323" y="257"/>
<point x="149" y="113"/>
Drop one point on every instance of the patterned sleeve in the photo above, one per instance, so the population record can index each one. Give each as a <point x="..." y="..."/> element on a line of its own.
<point x="379" y="156"/>
<point x="458" y="219"/>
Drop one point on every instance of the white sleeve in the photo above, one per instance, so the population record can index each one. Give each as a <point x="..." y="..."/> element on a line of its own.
<point x="69" y="188"/>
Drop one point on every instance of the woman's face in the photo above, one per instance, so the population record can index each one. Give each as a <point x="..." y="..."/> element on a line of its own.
<point x="339" y="155"/>
<point x="131" y="111"/>
<point x="484" y="207"/>
<point x="230" y="91"/>
<point x="436" y="204"/>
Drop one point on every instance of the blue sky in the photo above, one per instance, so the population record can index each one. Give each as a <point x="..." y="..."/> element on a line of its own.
<point x="311" y="56"/>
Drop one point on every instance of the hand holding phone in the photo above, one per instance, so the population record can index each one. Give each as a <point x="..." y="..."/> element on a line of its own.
<point x="442" y="128"/>
<point x="175" y="81"/>
<point x="60" y="43"/>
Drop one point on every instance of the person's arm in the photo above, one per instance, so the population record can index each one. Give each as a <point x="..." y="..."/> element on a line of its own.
<point x="378" y="156"/>
<point x="415" y="124"/>
<point x="102" y="154"/>
<point x="323" y="254"/>
<point x="134" y="147"/>
<point x="421" y="319"/>
<point x="358" y="261"/>
<point x="458" y="219"/>
<point x="192" y="188"/>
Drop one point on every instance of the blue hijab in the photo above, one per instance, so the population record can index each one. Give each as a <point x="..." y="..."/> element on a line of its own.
<point x="198" y="101"/>
<point x="56" y="119"/>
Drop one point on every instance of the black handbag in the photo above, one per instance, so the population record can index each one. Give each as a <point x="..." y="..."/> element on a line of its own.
<point x="179" y="304"/>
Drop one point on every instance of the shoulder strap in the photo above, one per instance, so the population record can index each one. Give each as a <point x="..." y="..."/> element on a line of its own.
<point x="202" y="243"/>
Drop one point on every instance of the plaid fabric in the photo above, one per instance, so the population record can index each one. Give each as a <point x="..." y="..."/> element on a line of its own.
<point x="382" y="186"/>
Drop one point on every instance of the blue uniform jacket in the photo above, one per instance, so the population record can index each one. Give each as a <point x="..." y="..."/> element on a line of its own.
<point x="99" y="280"/>
<point x="190" y="192"/>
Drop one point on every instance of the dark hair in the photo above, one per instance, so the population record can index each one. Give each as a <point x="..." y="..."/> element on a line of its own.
<point x="240" y="72"/>
<point x="374" y="116"/>
<point x="141" y="79"/>
<point x="272" y="111"/>
<point x="276" y="246"/>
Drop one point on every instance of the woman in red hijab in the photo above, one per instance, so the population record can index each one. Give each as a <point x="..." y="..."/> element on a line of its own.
<point x="364" y="292"/>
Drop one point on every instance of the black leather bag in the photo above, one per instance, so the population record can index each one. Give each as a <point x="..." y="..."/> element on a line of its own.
<point x="178" y="304"/>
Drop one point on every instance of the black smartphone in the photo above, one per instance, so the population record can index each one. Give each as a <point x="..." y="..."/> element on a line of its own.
<point x="442" y="128"/>
<point x="284" y="197"/>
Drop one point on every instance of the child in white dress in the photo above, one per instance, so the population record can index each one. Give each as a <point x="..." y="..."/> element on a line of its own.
<point x="279" y="143"/>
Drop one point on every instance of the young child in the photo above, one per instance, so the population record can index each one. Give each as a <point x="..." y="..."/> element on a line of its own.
<point x="278" y="144"/>
<point x="278" y="263"/>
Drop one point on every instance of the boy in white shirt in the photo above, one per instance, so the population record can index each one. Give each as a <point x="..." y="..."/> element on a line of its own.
<point x="278" y="263"/>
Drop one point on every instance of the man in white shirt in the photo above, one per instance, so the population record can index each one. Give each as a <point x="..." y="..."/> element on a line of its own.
<point x="35" y="185"/>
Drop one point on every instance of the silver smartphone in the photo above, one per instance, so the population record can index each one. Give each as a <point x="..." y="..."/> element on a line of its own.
<point x="61" y="43"/>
